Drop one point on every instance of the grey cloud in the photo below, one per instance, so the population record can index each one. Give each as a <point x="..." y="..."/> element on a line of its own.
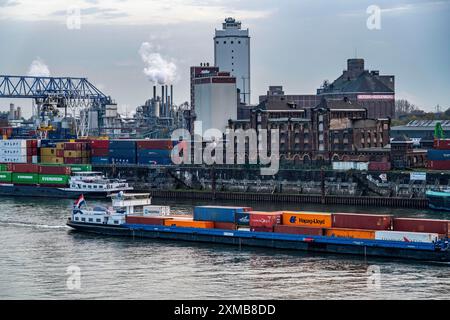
<point x="8" y="3"/>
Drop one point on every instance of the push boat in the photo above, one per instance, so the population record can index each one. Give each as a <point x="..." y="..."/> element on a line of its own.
<point x="112" y="221"/>
<point x="91" y="184"/>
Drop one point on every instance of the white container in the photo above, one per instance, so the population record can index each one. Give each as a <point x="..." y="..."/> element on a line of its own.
<point x="13" y="159"/>
<point x="343" y="165"/>
<point x="13" y="152"/>
<point x="156" y="211"/>
<point x="13" y="143"/>
<point x="406" y="236"/>
<point x="35" y="159"/>
<point x="362" y="166"/>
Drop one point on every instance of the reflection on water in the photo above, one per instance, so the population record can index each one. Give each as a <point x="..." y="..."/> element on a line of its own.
<point x="37" y="248"/>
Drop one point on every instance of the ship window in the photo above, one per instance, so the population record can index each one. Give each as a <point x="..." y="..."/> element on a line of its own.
<point x="83" y="219"/>
<point x="76" y="219"/>
<point x="91" y="220"/>
<point x="95" y="187"/>
<point x="116" y="222"/>
<point x="99" y="220"/>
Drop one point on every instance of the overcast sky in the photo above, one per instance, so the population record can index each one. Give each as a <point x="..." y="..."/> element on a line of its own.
<point x="295" y="43"/>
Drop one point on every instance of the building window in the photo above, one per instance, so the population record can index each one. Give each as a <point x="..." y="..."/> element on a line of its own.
<point x="239" y="42"/>
<point x="232" y="57"/>
<point x="232" y="42"/>
<point x="224" y="42"/>
<point x="217" y="42"/>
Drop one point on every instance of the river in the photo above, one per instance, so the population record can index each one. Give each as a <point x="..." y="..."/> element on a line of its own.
<point x="37" y="250"/>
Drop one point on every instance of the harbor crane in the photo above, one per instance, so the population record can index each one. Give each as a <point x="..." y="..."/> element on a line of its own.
<point x="51" y="94"/>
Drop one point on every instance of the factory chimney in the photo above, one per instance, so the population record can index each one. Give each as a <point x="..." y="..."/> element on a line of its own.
<point x="167" y="102"/>
<point x="171" y="97"/>
<point x="154" y="93"/>
<point x="162" y="100"/>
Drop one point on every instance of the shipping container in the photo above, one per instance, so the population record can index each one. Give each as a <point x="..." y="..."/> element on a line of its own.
<point x="122" y="152"/>
<point x="307" y="219"/>
<point x="350" y="233"/>
<point x="361" y="221"/>
<point x="48" y="152"/>
<point x="74" y="146"/>
<point x="225" y="225"/>
<point x="72" y="154"/>
<point x="264" y="219"/>
<point x="185" y="223"/>
<point x="154" y="161"/>
<point x="16" y="152"/>
<point x="25" y="178"/>
<point x="122" y="144"/>
<point x="99" y="152"/>
<point x="99" y="144"/>
<point x="14" y="159"/>
<point x="5" y="177"/>
<point x="438" y="154"/>
<point x="13" y="143"/>
<point x="155" y="144"/>
<point x="310" y="231"/>
<point x="100" y="160"/>
<point x="379" y="166"/>
<point x="243" y="218"/>
<point x="61" y="170"/>
<point x="156" y="221"/>
<point x="142" y="153"/>
<point x="217" y="213"/>
<point x="422" y="225"/>
<point x="261" y="229"/>
<point x="438" y="165"/>
<point x="406" y="236"/>
<point x="122" y="160"/>
<point x="81" y="167"/>
<point x="73" y="160"/>
<point x="54" y="179"/>
<point x="3" y="167"/>
<point x="60" y="146"/>
<point x="52" y="160"/>
<point x="23" y="168"/>
<point x="441" y="144"/>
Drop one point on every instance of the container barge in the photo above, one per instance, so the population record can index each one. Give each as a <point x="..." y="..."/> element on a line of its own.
<point x="132" y="215"/>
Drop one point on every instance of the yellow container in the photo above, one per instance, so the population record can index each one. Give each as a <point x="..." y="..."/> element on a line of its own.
<point x="48" y="152"/>
<point x="72" y="154"/>
<point x="188" y="223"/>
<point x="60" y="146"/>
<point x="350" y="233"/>
<point x="306" y="219"/>
<point x="52" y="159"/>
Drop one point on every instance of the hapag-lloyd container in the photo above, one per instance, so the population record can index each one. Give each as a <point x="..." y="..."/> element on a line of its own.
<point x="307" y="219"/>
<point x="264" y="219"/>
<point x="218" y="213"/>
<point x="422" y="225"/>
<point x="406" y="236"/>
<point x="361" y="221"/>
<point x="311" y="231"/>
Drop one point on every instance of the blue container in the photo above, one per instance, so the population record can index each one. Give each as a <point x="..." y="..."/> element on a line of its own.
<point x="216" y="214"/>
<point x="154" y="161"/>
<point x="122" y="144"/>
<point x="242" y="218"/>
<point x="100" y="160"/>
<point x="122" y="152"/>
<point x="438" y="155"/>
<point x="142" y="153"/>
<point x="122" y="160"/>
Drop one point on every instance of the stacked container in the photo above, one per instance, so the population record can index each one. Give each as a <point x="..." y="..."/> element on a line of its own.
<point x="122" y="151"/>
<point x="223" y="217"/>
<point x="99" y="151"/>
<point x="76" y="153"/>
<point x="18" y="151"/>
<point x="439" y="157"/>
<point x="154" y="152"/>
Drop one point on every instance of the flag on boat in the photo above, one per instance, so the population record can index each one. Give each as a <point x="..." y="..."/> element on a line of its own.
<point x="80" y="202"/>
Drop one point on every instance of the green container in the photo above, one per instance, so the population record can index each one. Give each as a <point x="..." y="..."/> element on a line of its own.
<point x="25" y="178"/>
<point x="3" y="167"/>
<point x="5" y="177"/>
<point x="54" y="179"/>
<point x="80" y="167"/>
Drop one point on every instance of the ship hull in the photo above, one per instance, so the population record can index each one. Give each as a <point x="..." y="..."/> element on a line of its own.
<point x="438" y="200"/>
<point x="47" y="192"/>
<point x="260" y="239"/>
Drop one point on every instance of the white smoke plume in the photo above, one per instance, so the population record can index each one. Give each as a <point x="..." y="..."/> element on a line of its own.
<point x="158" y="70"/>
<point x="38" y="68"/>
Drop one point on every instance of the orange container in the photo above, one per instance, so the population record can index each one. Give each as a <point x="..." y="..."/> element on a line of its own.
<point x="350" y="233"/>
<point x="185" y="223"/>
<point x="306" y="219"/>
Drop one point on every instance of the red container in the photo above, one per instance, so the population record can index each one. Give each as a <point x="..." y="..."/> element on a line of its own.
<point x="298" y="230"/>
<point x="264" y="219"/>
<point x="54" y="170"/>
<point x="23" y="168"/>
<point x="73" y="160"/>
<point x="156" y="221"/>
<point x="422" y="225"/>
<point x="99" y="144"/>
<point x="155" y="144"/>
<point x="361" y="221"/>
<point x="99" y="152"/>
<point x="441" y="144"/>
<point x="225" y="225"/>
<point x="438" y="164"/>
<point x="261" y="229"/>
<point x="75" y="146"/>
<point x="29" y="159"/>
<point x="60" y="153"/>
<point x="379" y="166"/>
